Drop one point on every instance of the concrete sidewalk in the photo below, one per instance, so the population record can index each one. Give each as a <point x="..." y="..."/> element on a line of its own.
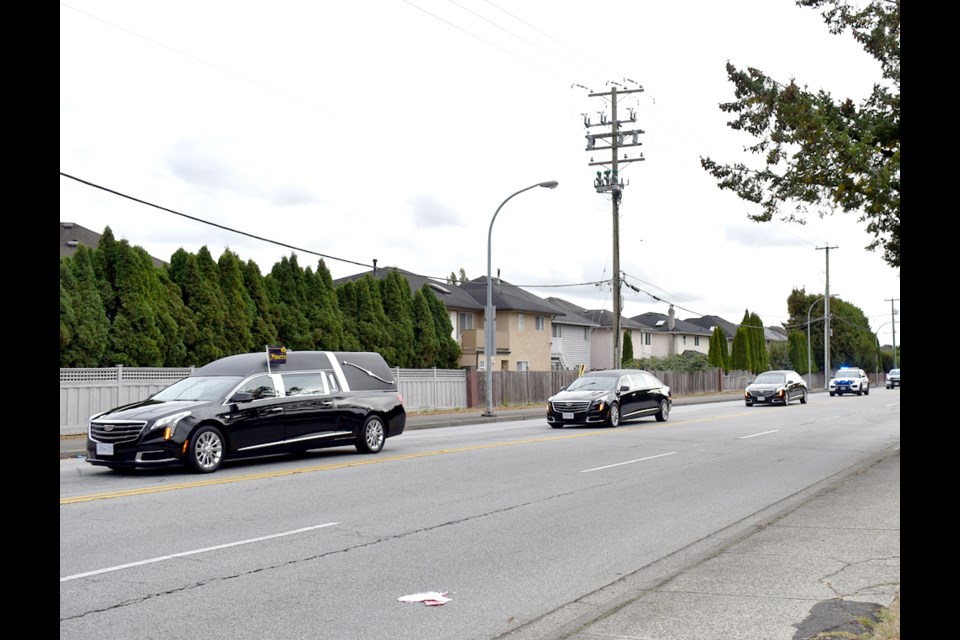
<point x="820" y="563"/>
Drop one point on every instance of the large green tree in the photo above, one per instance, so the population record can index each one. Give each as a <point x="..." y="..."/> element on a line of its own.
<point x="758" y="352"/>
<point x="91" y="332"/>
<point x="820" y="152"/>
<point x="448" y="354"/>
<point x="852" y="341"/>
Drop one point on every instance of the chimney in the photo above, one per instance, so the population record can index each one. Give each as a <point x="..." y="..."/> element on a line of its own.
<point x="374" y="267"/>
<point x="671" y="319"/>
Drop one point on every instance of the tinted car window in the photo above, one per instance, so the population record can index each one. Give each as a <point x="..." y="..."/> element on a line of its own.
<point x="259" y="387"/>
<point x="303" y="384"/>
<point x="207" y="388"/>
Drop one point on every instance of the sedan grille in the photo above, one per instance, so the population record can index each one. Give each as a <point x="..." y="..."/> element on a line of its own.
<point x="116" y="432"/>
<point x="764" y="393"/>
<point x="571" y="406"/>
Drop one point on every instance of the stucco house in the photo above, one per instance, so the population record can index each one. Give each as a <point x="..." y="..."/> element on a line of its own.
<point x="523" y="328"/>
<point x="679" y="335"/>
<point x="571" y="337"/>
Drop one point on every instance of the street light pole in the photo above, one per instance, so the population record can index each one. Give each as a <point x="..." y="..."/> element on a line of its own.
<point x="809" y="357"/>
<point x="489" y="325"/>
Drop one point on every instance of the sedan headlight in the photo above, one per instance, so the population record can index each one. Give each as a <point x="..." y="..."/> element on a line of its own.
<point x="169" y="423"/>
<point x="598" y="405"/>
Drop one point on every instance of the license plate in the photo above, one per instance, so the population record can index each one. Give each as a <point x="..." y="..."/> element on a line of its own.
<point x="567" y="415"/>
<point x="761" y="399"/>
<point x="104" y="448"/>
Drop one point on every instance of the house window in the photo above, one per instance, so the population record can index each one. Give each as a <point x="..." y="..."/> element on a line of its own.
<point x="555" y="329"/>
<point x="523" y="365"/>
<point x="684" y="339"/>
<point x="520" y="321"/>
<point x="586" y="334"/>
<point x="696" y="341"/>
<point x="646" y="338"/>
<point x="482" y="364"/>
<point x="466" y="321"/>
<point x="540" y="323"/>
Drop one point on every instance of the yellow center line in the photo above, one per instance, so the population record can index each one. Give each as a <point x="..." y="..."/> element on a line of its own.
<point x="378" y="460"/>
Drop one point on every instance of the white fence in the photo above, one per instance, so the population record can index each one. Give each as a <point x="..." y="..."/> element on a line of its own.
<point x="84" y="392"/>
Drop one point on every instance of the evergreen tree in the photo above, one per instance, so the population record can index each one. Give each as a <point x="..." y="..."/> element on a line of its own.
<point x="741" y="353"/>
<point x="177" y="323"/>
<point x="67" y="319"/>
<point x="448" y="349"/>
<point x="324" y="313"/>
<point x="347" y="300"/>
<point x="797" y="341"/>
<point x="425" y="342"/>
<point x="263" y="328"/>
<point x="237" y="321"/>
<point x="201" y="295"/>
<point x="288" y="284"/>
<point x="758" y="352"/>
<point x="628" y="361"/>
<point x="852" y="342"/>
<point x="398" y="307"/>
<point x="371" y="320"/>
<point x="135" y="337"/>
<point x="718" y="355"/>
<point x="92" y="331"/>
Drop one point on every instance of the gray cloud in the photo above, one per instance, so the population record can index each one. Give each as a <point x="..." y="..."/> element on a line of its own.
<point x="429" y="212"/>
<point x="201" y="165"/>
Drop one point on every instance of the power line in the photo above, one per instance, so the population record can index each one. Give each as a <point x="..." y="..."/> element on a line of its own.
<point x="214" y="224"/>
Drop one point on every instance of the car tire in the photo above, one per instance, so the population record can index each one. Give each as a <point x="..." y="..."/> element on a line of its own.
<point x="613" y="420"/>
<point x="786" y="398"/>
<point x="832" y="394"/>
<point x="803" y="398"/>
<point x="372" y="435"/>
<point x="205" y="452"/>
<point x="664" y="411"/>
<point x="866" y="391"/>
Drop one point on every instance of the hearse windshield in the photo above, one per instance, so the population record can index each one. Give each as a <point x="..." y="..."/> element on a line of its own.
<point x="209" y="388"/>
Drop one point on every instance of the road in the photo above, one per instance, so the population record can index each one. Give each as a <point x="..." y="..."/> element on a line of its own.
<point x="511" y="520"/>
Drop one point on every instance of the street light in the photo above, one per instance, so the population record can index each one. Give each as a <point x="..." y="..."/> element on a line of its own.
<point x="488" y="323"/>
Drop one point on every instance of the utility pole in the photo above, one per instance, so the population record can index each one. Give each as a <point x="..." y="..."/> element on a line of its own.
<point x="893" y="327"/>
<point x="609" y="181"/>
<point x="826" y="321"/>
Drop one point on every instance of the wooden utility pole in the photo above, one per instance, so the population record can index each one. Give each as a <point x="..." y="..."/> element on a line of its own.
<point x="826" y="322"/>
<point x="893" y="327"/>
<point x="609" y="181"/>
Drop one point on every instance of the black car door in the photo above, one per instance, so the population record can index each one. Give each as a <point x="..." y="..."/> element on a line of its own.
<point x="255" y="423"/>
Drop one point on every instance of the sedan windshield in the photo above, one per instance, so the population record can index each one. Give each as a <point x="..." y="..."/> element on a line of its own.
<point x="207" y="388"/>
<point x="770" y="378"/>
<point x="593" y="383"/>
<point x="848" y="373"/>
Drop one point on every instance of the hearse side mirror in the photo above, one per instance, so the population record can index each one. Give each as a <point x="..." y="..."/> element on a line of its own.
<point x="241" y="396"/>
<point x="624" y="388"/>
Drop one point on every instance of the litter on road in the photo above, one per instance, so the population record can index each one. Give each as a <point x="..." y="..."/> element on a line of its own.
<point x="429" y="598"/>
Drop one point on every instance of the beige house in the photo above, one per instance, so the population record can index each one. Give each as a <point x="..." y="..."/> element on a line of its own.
<point x="674" y="336"/>
<point x="524" y="328"/>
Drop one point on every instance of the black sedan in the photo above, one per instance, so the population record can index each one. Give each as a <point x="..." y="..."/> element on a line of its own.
<point x="249" y="405"/>
<point x="776" y="387"/>
<point x="609" y="398"/>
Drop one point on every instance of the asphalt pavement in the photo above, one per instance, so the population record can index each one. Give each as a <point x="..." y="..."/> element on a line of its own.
<point x="816" y="562"/>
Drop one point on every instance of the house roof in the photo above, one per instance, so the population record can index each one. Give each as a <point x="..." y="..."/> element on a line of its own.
<point x="509" y="297"/>
<point x="604" y="318"/>
<point x="574" y="314"/>
<point x="73" y="235"/>
<point x="774" y="334"/>
<point x="709" y="322"/>
<point x="659" y="322"/>
<point x="451" y="295"/>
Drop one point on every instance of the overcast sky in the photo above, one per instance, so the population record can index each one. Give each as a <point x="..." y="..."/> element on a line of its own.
<point x="393" y="129"/>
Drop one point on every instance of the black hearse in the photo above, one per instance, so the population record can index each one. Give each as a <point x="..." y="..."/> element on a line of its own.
<point x="254" y="404"/>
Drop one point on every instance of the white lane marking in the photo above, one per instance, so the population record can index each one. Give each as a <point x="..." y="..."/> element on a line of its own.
<point x="610" y="466"/>
<point x="194" y="552"/>
<point x="754" y="435"/>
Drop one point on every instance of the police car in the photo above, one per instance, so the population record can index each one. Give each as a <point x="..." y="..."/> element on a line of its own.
<point x="849" y="380"/>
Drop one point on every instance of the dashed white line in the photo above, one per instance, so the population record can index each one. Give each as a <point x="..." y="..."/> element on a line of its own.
<point x="194" y="552"/>
<point x="754" y="435"/>
<point x="619" y="464"/>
